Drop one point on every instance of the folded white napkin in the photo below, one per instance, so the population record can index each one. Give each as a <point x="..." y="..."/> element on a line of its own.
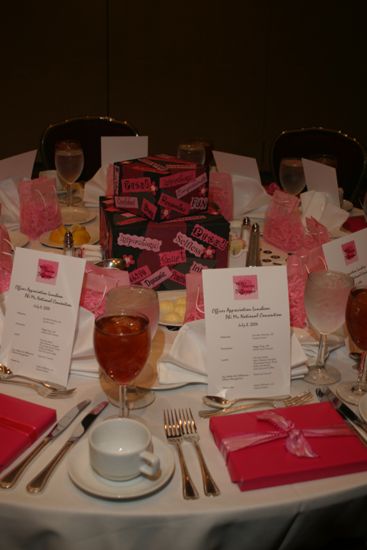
<point x="185" y="362"/>
<point x="317" y="205"/>
<point x="249" y="196"/>
<point x="91" y="252"/>
<point x="96" y="187"/>
<point x="9" y="200"/>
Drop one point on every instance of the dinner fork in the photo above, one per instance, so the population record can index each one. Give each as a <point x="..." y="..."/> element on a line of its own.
<point x="41" y="390"/>
<point x="174" y="435"/>
<point x="190" y="432"/>
<point x="298" y="399"/>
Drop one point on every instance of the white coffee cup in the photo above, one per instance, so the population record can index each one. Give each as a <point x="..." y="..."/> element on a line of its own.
<point x="121" y="449"/>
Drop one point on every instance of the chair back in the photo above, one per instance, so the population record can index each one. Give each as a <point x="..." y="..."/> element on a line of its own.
<point x="88" y="130"/>
<point x="317" y="142"/>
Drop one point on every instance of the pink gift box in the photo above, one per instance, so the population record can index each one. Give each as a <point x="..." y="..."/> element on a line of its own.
<point x="161" y="187"/>
<point x="21" y="424"/>
<point x="269" y="464"/>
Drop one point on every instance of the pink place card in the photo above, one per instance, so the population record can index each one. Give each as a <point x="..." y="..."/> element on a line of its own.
<point x="349" y="255"/>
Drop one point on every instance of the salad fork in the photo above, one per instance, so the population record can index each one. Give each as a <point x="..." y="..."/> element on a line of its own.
<point x="174" y="435"/>
<point x="298" y="399"/>
<point x="190" y="432"/>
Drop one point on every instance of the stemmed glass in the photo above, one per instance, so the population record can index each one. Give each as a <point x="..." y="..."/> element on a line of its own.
<point x="122" y="345"/>
<point x="356" y="321"/>
<point x="144" y="300"/>
<point x="291" y="175"/>
<point x="326" y="296"/>
<point x="69" y="163"/>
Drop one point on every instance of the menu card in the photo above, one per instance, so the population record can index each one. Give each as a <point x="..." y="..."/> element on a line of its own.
<point x="247" y="331"/>
<point x="41" y="314"/>
<point x="349" y="255"/>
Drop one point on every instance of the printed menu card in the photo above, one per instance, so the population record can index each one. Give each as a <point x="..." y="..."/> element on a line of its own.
<point x="41" y="314"/>
<point x="247" y="331"/>
<point x="349" y="255"/>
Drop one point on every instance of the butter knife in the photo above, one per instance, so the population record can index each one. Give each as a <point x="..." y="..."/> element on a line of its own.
<point x="12" y="477"/>
<point x="359" y="426"/>
<point x="38" y="483"/>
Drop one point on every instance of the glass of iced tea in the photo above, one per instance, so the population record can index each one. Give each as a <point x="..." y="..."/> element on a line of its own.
<point x="122" y="345"/>
<point x="356" y="321"/>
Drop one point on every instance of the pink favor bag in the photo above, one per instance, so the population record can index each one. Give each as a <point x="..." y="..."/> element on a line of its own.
<point x="39" y="207"/>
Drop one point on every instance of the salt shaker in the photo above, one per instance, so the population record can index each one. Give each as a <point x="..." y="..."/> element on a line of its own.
<point x="69" y="249"/>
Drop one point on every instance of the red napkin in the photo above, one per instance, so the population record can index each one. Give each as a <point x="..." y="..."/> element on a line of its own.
<point x="21" y="423"/>
<point x="355" y="223"/>
<point x="270" y="464"/>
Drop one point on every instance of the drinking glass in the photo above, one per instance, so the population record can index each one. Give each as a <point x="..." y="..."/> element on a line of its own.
<point x="326" y="296"/>
<point x="291" y="175"/>
<point x="69" y="163"/>
<point x="193" y="151"/>
<point x="122" y="345"/>
<point x="356" y="321"/>
<point x="144" y="300"/>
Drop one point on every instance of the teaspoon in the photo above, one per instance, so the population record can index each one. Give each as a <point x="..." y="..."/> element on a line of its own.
<point x="222" y="403"/>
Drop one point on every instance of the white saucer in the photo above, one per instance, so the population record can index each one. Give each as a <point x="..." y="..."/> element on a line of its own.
<point x="76" y="214"/>
<point x="46" y="241"/>
<point x="18" y="239"/>
<point x="362" y="407"/>
<point x="84" y="477"/>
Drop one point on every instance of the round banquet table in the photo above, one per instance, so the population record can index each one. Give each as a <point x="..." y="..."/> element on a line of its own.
<point x="314" y="514"/>
<point x="63" y="517"/>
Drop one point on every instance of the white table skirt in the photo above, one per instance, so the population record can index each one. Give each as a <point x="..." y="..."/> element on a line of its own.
<point x="300" y="515"/>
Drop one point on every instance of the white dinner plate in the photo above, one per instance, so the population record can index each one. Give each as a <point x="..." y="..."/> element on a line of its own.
<point x="362" y="407"/>
<point x="169" y="295"/>
<point x="76" y="214"/>
<point x="18" y="239"/>
<point x="84" y="477"/>
<point x="46" y="241"/>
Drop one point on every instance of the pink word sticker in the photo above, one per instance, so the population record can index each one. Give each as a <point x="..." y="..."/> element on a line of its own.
<point x="197" y="268"/>
<point x="149" y="209"/>
<point x="139" y="274"/>
<point x="245" y="287"/>
<point x="209" y="237"/>
<point x="126" y="202"/>
<point x="136" y="241"/>
<point x="157" y="278"/>
<point x="199" y="203"/>
<point x="350" y="252"/>
<point x="178" y="179"/>
<point x="166" y="201"/>
<point x="191" y="186"/>
<point x="136" y="185"/>
<point x="189" y="244"/>
<point x="178" y="277"/>
<point x="172" y="257"/>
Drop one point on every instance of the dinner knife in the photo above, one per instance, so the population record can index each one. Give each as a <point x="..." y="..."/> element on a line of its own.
<point x="39" y="482"/>
<point x="345" y="411"/>
<point x="12" y="477"/>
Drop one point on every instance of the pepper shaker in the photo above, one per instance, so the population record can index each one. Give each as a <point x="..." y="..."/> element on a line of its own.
<point x="69" y="249"/>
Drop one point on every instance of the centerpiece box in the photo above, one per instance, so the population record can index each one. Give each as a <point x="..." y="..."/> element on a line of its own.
<point x="160" y="187"/>
<point x="21" y="424"/>
<point x="159" y="255"/>
<point x="268" y="463"/>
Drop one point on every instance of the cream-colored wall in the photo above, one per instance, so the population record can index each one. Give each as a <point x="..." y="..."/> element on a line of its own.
<point x="237" y="73"/>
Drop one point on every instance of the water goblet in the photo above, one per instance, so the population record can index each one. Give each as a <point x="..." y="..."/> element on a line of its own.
<point x="291" y="175"/>
<point x="144" y="300"/>
<point x="356" y="321"/>
<point x="326" y="295"/>
<point x="192" y="151"/>
<point x="69" y="163"/>
<point x="122" y="345"/>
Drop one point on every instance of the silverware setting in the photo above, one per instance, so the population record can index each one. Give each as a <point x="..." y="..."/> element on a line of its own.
<point x="298" y="399"/>
<point x="174" y="435"/>
<point x="50" y="388"/>
<point x="41" y="390"/>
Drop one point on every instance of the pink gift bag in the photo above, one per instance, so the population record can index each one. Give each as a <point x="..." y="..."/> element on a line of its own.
<point x="39" y="207"/>
<point x="221" y="194"/>
<point x="97" y="282"/>
<point x="6" y="259"/>
<point x="283" y="224"/>
<point x="194" y="297"/>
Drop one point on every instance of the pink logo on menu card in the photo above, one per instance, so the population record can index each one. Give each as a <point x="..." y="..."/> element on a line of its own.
<point x="350" y="252"/>
<point x="245" y="287"/>
<point x="47" y="271"/>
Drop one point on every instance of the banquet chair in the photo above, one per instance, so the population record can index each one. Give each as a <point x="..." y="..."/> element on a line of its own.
<point x="316" y="143"/>
<point x="88" y="130"/>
